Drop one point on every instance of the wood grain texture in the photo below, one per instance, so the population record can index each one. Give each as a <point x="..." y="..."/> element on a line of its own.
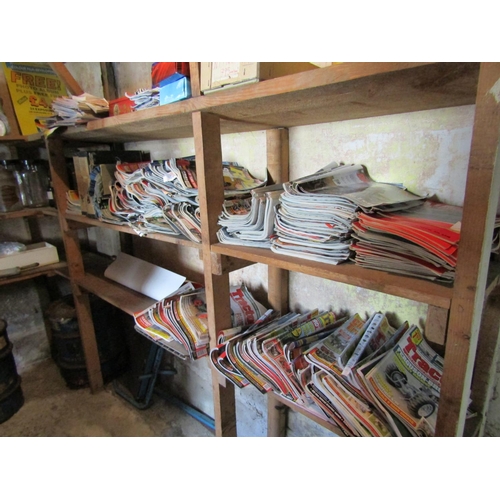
<point x="436" y="325"/>
<point x="481" y="199"/>
<point x="483" y="381"/>
<point x="340" y="92"/>
<point x="211" y="196"/>
<point x="351" y="274"/>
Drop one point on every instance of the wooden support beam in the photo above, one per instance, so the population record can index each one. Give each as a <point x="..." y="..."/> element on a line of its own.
<point x="483" y="381"/>
<point x="210" y="180"/>
<point x="223" y="264"/>
<point x="67" y="78"/>
<point x="480" y="204"/>
<point x="108" y="79"/>
<point x="277" y="151"/>
<point x="59" y="175"/>
<point x="194" y="71"/>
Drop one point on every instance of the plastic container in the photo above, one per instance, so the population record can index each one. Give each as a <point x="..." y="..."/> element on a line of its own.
<point x="33" y="183"/>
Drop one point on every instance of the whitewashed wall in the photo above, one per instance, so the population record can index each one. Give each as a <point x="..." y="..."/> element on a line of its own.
<point x="427" y="151"/>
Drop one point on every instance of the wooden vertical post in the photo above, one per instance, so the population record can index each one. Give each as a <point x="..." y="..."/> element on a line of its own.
<point x="480" y="204"/>
<point x="194" y="78"/>
<point x="277" y="279"/>
<point x="76" y="269"/>
<point x="486" y="358"/>
<point x="211" y="192"/>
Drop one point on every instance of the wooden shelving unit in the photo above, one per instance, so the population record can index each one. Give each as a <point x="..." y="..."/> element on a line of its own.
<point x="48" y="270"/>
<point x="340" y="92"/>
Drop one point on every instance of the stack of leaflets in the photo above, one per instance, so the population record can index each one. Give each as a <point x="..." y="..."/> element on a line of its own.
<point x="315" y="217"/>
<point x="421" y="241"/>
<point x="144" y="98"/>
<point x="179" y="323"/>
<point x="74" y="110"/>
<point x="249" y="220"/>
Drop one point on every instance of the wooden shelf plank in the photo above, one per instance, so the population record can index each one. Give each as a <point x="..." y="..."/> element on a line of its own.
<point x="123" y="298"/>
<point x="348" y="273"/>
<point x="29" y="212"/>
<point x="84" y="221"/>
<point x="323" y="421"/>
<point x="339" y="92"/>
<point x="49" y="270"/>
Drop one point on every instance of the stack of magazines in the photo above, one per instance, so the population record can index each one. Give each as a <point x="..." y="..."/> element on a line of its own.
<point x="421" y="241"/>
<point x="316" y="213"/>
<point x="161" y="196"/>
<point x="179" y="323"/>
<point x="249" y="219"/>
<point x="365" y="376"/>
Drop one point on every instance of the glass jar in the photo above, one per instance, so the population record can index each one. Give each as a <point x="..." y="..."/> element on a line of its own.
<point x="10" y="199"/>
<point x="32" y="180"/>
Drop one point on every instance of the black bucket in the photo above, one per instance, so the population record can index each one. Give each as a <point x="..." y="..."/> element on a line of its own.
<point x="8" y="370"/>
<point x="66" y="344"/>
<point x="11" y="401"/>
<point x="4" y="339"/>
<point x="11" y="394"/>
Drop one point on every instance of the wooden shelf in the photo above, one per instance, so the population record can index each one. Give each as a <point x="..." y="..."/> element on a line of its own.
<point x="93" y="281"/>
<point x="78" y="221"/>
<point x="16" y="139"/>
<point x="345" y="91"/>
<point x="349" y="273"/>
<point x="339" y="92"/>
<point x="123" y="298"/>
<point x="323" y="421"/>
<point x="49" y="270"/>
<point x="29" y="212"/>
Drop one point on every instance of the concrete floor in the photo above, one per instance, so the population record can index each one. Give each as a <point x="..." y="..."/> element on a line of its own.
<point x="52" y="410"/>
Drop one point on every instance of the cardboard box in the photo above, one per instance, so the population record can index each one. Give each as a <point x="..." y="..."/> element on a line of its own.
<point x="174" y="88"/>
<point x="217" y="75"/>
<point x="37" y="253"/>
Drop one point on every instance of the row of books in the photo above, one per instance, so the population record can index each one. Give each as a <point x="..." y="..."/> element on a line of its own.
<point x="364" y="375"/>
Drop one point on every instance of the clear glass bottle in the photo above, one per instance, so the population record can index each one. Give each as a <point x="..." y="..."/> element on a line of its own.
<point x="10" y="199"/>
<point x="33" y="183"/>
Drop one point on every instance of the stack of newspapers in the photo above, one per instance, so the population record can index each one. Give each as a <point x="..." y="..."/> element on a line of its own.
<point x="314" y="219"/>
<point x="364" y="375"/>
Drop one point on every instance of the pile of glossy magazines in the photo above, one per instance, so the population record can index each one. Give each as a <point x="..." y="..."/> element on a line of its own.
<point x="365" y="376"/>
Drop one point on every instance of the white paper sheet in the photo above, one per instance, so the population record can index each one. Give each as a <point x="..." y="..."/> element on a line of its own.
<point x="141" y="276"/>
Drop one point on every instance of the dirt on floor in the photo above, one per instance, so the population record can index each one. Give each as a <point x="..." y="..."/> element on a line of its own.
<point x="51" y="409"/>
